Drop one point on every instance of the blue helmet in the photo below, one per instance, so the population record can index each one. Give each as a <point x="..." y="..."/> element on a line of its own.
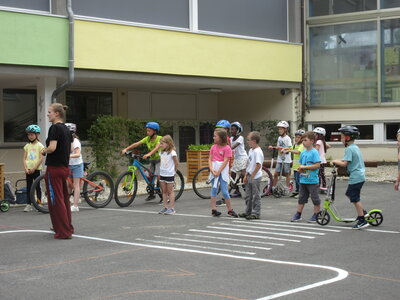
<point x="32" y="128"/>
<point x="223" y="124"/>
<point x="153" y="125"/>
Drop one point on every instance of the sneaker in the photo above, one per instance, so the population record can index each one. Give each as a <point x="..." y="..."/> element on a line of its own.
<point x="232" y="213"/>
<point x="243" y="215"/>
<point x="74" y="208"/>
<point x="286" y="191"/>
<point x="170" y="211"/>
<point x="220" y="202"/>
<point x="366" y="214"/>
<point x="236" y="195"/>
<point x="28" y="208"/>
<point x="296" y="217"/>
<point x="163" y="210"/>
<point x="215" y="213"/>
<point x="150" y="197"/>
<point x="294" y="194"/>
<point x="361" y="224"/>
<point x="313" y="219"/>
<point x="252" y="217"/>
<point x="296" y="197"/>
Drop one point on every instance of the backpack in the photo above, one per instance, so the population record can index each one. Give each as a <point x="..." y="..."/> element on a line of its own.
<point x="8" y="193"/>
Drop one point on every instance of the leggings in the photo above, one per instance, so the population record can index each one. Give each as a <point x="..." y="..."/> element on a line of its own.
<point x="29" y="181"/>
<point x="321" y="175"/>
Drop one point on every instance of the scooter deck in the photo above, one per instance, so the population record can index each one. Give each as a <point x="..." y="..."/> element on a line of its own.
<point x="348" y="220"/>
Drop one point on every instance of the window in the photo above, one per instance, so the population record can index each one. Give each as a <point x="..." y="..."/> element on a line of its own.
<point x="43" y="5"/>
<point x="19" y="112"/>
<point x="366" y="131"/>
<point x="391" y="131"/>
<point x="332" y="133"/>
<point x="206" y="133"/>
<point x="343" y="64"/>
<point x="85" y="107"/>
<point x="329" y="7"/>
<point x="390" y="4"/>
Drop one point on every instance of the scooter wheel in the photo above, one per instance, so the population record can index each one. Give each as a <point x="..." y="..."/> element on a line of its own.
<point x="323" y="218"/>
<point x="4" y="205"/>
<point x="277" y="193"/>
<point x="375" y="218"/>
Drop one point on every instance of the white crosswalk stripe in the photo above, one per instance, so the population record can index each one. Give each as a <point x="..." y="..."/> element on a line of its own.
<point x="271" y="228"/>
<point x="268" y="232"/>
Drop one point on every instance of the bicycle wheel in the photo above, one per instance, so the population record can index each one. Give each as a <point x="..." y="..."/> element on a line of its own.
<point x="98" y="190"/>
<point x="266" y="182"/>
<point x="125" y="189"/>
<point x="39" y="201"/>
<point x="201" y="184"/>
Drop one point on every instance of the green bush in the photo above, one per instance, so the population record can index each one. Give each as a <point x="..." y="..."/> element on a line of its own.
<point x="200" y="147"/>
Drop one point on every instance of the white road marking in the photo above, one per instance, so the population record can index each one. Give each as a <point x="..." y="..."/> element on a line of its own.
<point x="247" y="235"/>
<point x="271" y="223"/>
<point x="277" y="229"/>
<point x="266" y="232"/>
<point x="341" y="274"/>
<point x="209" y="242"/>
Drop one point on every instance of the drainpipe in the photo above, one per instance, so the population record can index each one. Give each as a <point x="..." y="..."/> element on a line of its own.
<point x="304" y="73"/>
<point x="71" y="72"/>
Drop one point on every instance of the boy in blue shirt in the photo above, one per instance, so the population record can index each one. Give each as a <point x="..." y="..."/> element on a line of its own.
<point x="309" y="181"/>
<point x="355" y="167"/>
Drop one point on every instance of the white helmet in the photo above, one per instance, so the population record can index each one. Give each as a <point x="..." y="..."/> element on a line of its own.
<point x="238" y="125"/>
<point x="299" y="132"/>
<point x="320" y="130"/>
<point x="283" y="124"/>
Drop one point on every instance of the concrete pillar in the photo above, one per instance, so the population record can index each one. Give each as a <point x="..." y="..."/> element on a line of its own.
<point x="45" y="88"/>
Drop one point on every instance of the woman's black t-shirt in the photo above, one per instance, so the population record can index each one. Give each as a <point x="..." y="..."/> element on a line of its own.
<point x="60" y="133"/>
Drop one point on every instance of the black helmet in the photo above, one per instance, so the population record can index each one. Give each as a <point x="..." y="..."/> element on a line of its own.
<point x="350" y="131"/>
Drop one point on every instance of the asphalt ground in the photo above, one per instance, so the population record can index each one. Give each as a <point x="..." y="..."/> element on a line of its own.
<point x="135" y="253"/>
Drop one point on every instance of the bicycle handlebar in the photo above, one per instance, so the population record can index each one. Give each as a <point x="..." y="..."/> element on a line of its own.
<point x="134" y="155"/>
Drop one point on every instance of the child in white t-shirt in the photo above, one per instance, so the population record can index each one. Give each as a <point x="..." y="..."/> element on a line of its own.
<point x="168" y="167"/>
<point x="240" y="155"/>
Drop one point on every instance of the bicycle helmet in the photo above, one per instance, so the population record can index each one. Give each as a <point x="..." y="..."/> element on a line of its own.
<point x="32" y="128"/>
<point x="283" y="124"/>
<point x="153" y="125"/>
<point x="238" y="125"/>
<point x="320" y="130"/>
<point x="350" y="131"/>
<point x="299" y="132"/>
<point x="71" y="126"/>
<point x="223" y="124"/>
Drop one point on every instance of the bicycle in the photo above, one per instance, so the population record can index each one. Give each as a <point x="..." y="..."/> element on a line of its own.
<point x="97" y="190"/>
<point x="202" y="184"/>
<point x="373" y="217"/>
<point x="127" y="184"/>
<point x="280" y="188"/>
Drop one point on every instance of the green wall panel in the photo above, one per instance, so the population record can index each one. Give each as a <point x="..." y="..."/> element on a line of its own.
<point x="28" y="39"/>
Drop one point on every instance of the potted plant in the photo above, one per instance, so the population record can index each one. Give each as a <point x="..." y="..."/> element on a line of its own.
<point x="197" y="158"/>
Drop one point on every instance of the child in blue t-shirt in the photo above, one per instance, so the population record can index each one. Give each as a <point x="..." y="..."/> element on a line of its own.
<point x="309" y="181"/>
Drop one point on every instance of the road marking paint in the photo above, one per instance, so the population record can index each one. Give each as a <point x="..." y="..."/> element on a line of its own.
<point x="179" y="273"/>
<point x="196" y="246"/>
<point x="341" y="274"/>
<point x="277" y="229"/>
<point x="209" y="242"/>
<point x="384" y="231"/>
<point x="375" y="277"/>
<point x="270" y="223"/>
<point x="266" y="232"/>
<point x="247" y="235"/>
<point x="228" y="239"/>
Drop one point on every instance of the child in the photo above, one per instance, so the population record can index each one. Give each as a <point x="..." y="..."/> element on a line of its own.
<point x="296" y="150"/>
<point x="75" y="165"/>
<point x="168" y="167"/>
<point x="240" y="155"/>
<point x="220" y="154"/>
<point x="396" y="185"/>
<point x="32" y="162"/>
<point x="284" y="160"/>
<point x="152" y="141"/>
<point x="226" y="126"/>
<point x="309" y="182"/>
<point x="252" y="179"/>
<point x="322" y="147"/>
<point x="355" y="167"/>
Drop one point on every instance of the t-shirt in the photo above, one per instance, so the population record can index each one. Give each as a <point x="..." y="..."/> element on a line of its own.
<point x="285" y="142"/>
<point x="256" y="156"/>
<point x="76" y="160"/>
<point x="219" y="153"/>
<point x="167" y="166"/>
<point x="33" y="154"/>
<point x="296" y="157"/>
<point x="151" y="144"/>
<point x="60" y="133"/>
<point x="355" y="164"/>
<point x="239" y="151"/>
<point x="321" y="151"/>
<point x="308" y="158"/>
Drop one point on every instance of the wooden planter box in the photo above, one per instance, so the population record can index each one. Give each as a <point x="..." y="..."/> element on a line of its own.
<point x="196" y="159"/>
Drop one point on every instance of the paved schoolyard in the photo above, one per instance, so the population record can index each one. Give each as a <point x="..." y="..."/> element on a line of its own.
<point x="134" y="253"/>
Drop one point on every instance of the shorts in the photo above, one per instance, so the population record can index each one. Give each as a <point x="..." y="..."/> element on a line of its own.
<point x="307" y="190"/>
<point x="76" y="170"/>
<point x="286" y="168"/>
<point x="239" y="164"/>
<point x="155" y="167"/>
<point x="353" y="191"/>
<point x="167" y="179"/>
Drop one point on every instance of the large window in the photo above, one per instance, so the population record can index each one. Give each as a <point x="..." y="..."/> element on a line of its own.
<point x="343" y="67"/>
<point x="19" y="112"/>
<point x="390" y="3"/>
<point x="85" y="107"/>
<point x="391" y="131"/>
<point x="332" y="7"/>
<point x="43" y="5"/>
<point x="331" y="131"/>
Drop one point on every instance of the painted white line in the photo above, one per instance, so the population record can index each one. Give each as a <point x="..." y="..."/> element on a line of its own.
<point x="341" y="274"/>
<point x="270" y="223"/>
<point x="246" y="235"/>
<point x="228" y="239"/>
<point x="196" y="246"/>
<point x="384" y="231"/>
<point x="277" y="229"/>
<point x="209" y="242"/>
<point x="266" y="232"/>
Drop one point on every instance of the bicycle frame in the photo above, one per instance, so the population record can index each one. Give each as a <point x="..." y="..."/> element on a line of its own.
<point x="136" y="165"/>
<point x="97" y="188"/>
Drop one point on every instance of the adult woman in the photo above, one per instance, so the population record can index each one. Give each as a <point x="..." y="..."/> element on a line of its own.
<point x="58" y="148"/>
